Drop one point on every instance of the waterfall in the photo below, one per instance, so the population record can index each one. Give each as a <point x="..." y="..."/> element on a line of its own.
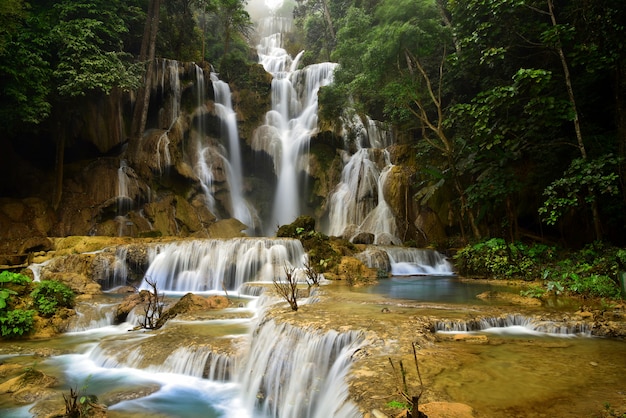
<point x="92" y="315"/>
<point x="358" y="200"/>
<point x="406" y="261"/>
<point x="224" y="109"/>
<point x="291" y="372"/>
<point x="514" y="324"/>
<point x="291" y="122"/>
<point x="171" y="92"/>
<point x="214" y="265"/>
<point x="417" y="261"/>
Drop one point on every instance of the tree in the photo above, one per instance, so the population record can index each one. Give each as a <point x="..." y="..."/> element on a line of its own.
<point x="233" y="20"/>
<point x="146" y="57"/>
<point x="25" y="71"/>
<point x="89" y="59"/>
<point x="288" y="288"/>
<point x="153" y="308"/>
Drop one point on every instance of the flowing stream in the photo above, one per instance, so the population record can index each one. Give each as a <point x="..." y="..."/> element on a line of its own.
<point x="239" y="362"/>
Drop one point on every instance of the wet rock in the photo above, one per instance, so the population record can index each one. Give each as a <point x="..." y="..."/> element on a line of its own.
<point x="512" y="298"/>
<point x="429" y="227"/>
<point x="376" y="258"/>
<point x="29" y="387"/>
<point x="79" y="283"/>
<point x="227" y="228"/>
<point x="129" y="303"/>
<point x="50" y="327"/>
<point x="191" y="304"/>
<point x="467" y="338"/>
<point x="364" y="238"/>
<point x="447" y="410"/>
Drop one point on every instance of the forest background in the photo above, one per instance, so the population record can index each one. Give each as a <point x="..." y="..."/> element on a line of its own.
<point x="516" y="109"/>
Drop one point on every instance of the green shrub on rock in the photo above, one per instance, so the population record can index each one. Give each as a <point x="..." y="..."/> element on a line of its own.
<point x="16" y="323"/>
<point x="50" y="295"/>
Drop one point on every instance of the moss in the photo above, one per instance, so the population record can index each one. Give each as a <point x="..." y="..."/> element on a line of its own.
<point x="316" y="244"/>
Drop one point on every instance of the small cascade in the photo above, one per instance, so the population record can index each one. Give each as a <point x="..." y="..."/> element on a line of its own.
<point x="198" y="361"/>
<point x="418" y="261"/>
<point x="291" y="372"/>
<point x="204" y="153"/>
<point x="92" y="316"/>
<point x="215" y="265"/>
<point x="357" y="205"/>
<point x="170" y="89"/>
<point x="355" y="195"/>
<point x="249" y="290"/>
<point x="381" y="222"/>
<point x="128" y="190"/>
<point x="113" y="273"/>
<point x="406" y="261"/>
<point x="514" y="324"/>
<point x="292" y="121"/>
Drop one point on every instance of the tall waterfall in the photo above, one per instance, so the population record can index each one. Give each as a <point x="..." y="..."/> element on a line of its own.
<point x="292" y="120"/>
<point x="224" y="109"/>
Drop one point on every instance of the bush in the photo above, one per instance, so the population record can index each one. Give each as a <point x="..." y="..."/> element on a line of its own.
<point x="593" y="271"/>
<point x="51" y="295"/>
<point x="498" y="259"/>
<point x="8" y="277"/>
<point x="16" y="323"/>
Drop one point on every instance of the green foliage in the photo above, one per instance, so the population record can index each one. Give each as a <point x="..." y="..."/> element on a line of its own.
<point x="533" y="292"/>
<point x="5" y="295"/>
<point x="590" y="272"/>
<point x="580" y="185"/>
<point x="8" y="277"/>
<point x="499" y="259"/>
<point x="78" y="404"/>
<point x="16" y="323"/>
<point x="51" y="295"/>
<point x="235" y="68"/>
<point x="24" y="72"/>
<point x="13" y="322"/>
<point x="398" y="405"/>
<point x="9" y="281"/>
<point x="89" y="49"/>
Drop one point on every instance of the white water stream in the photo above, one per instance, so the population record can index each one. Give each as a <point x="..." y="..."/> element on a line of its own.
<point x="292" y="121"/>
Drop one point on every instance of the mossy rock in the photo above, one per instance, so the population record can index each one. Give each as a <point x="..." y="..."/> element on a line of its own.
<point x="296" y="229"/>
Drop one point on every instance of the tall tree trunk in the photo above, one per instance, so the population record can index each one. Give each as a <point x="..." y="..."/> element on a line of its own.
<point x="59" y="162"/>
<point x="147" y="53"/>
<point x="329" y="20"/>
<point x="620" y="109"/>
<point x="579" y="136"/>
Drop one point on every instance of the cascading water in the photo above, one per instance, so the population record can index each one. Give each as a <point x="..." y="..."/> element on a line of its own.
<point x="214" y="265"/>
<point x="254" y="368"/>
<point x="514" y="324"/>
<point x="404" y="261"/>
<point x="300" y="374"/>
<point x="241" y="210"/>
<point x="292" y="121"/>
<point x="357" y="205"/>
<point x="169" y="81"/>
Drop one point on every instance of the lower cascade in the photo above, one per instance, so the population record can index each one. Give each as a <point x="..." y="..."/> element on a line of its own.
<point x="291" y="372"/>
<point x="281" y="370"/>
<point x="243" y="364"/>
